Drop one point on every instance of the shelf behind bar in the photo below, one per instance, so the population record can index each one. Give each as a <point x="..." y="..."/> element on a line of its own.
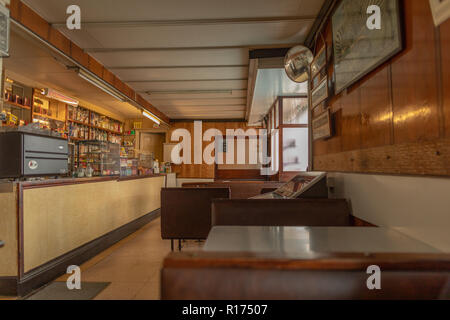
<point x="14" y="104"/>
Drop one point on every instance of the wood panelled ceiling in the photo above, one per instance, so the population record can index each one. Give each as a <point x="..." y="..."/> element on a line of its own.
<point x="188" y="58"/>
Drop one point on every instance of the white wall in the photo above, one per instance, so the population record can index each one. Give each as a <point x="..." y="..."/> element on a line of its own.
<point x="416" y="206"/>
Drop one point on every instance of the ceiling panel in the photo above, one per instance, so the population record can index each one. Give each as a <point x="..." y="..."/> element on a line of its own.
<point x="139" y="10"/>
<point x="155" y="97"/>
<point x="200" y="102"/>
<point x="206" y="109"/>
<point x="271" y="83"/>
<point x="224" y="114"/>
<point x="190" y="85"/>
<point x="44" y="71"/>
<point x="180" y="45"/>
<point x="130" y="75"/>
<point x="215" y="35"/>
<point x="208" y="57"/>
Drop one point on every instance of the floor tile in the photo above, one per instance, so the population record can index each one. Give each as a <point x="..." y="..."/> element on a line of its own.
<point x="120" y="291"/>
<point x="150" y="291"/>
<point x="132" y="265"/>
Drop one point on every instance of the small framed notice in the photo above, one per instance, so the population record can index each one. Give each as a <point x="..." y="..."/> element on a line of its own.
<point x="321" y="126"/>
<point x="319" y="93"/>
<point x="440" y="10"/>
<point x="4" y="31"/>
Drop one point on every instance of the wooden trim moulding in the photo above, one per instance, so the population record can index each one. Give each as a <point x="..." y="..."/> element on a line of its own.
<point x="8" y="286"/>
<point x="310" y="261"/>
<point x="429" y="158"/>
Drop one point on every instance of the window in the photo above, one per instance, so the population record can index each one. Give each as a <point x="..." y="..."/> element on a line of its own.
<point x="295" y="111"/>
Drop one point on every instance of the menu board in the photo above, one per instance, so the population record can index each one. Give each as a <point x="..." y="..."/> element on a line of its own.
<point x="291" y="189"/>
<point x="295" y="187"/>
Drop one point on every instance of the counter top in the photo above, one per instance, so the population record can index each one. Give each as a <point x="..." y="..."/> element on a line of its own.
<point x="72" y="181"/>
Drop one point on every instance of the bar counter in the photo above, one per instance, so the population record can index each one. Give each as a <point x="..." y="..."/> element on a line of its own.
<point x="50" y="224"/>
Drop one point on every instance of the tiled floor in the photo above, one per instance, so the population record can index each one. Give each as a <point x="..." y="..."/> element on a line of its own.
<point x="132" y="265"/>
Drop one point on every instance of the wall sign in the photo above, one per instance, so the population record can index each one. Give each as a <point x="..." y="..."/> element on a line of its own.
<point x="320" y="93"/>
<point x="4" y="31"/>
<point x="321" y="126"/>
<point x="359" y="49"/>
<point x="440" y="10"/>
<point x="319" y="61"/>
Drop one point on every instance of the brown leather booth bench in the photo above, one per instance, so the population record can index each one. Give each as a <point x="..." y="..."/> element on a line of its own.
<point x="281" y="212"/>
<point x="186" y="213"/>
<point x="239" y="189"/>
<point x="242" y="276"/>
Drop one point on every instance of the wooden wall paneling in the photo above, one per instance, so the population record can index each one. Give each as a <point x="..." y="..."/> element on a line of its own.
<point x="33" y="21"/>
<point x="414" y="78"/>
<point x="426" y="158"/>
<point x="14" y="9"/>
<point x="79" y="55"/>
<point x="129" y="92"/>
<point x="57" y="39"/>
<point x="445" y="56"/>
<point x="108" y="76"/>
<point x="118" y="84"/>
<point x="404" y="124"/>
<point x="95" y="67"/>
<point x="200" y="171"/>
<point x="351" y="119"/>
<point x="376" y="110"/>
<point x="334" y="144"/>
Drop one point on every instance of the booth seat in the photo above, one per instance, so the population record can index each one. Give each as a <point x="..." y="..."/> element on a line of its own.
<point x="186" y="212"/>
<point x="239" y="189"/>
<point x="244" y="276"/>
<point x="281" y="212"/>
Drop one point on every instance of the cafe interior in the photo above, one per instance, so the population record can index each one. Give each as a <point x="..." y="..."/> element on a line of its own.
<point x="225" y="150"/>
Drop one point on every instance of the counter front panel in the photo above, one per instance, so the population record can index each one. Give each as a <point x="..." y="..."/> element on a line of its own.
<point x="61" y="218"/>
<point x="8" y="230"/>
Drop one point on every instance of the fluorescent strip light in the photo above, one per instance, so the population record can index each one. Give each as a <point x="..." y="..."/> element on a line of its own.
<point x="92" y="80"/>
<point x="151" y="117"/>
<point x="53" y="94"/>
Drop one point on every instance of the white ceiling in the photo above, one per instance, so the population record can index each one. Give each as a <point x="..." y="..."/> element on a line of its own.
<point x="184" y="45"/>
<point x="34" y="65"/>
<point x="270" y="84"/>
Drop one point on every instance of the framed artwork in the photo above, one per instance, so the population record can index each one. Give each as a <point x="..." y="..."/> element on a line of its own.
<point x="321" y="126"/>
<point x="4" y="31"/>
<point x="315" y="81"/>
<point x="440" y="10"/>
<point x="357" y="49"/>
<point x="319" y="61"/>
<point x="319" y="93"/>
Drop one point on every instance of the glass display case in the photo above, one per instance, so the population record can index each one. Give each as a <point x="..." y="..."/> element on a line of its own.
<point x="97" y="158"/>
<point x="128" y="167"/>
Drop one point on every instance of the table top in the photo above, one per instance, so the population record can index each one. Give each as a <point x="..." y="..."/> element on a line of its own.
<point x="290" y="241"/>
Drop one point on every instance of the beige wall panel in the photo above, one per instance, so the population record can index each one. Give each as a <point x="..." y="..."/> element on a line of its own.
<point x="8" y="230"/>
<point x="415" y="206"/>
<point x="60" y="219"/>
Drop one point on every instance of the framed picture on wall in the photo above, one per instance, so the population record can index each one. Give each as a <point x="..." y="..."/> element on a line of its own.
<point x="440" y="10"/>
<point x="319" y="61"/>
<point x="359" y="49"/>
<point x="319" y="93"/>
<point x="321" y="126"/>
